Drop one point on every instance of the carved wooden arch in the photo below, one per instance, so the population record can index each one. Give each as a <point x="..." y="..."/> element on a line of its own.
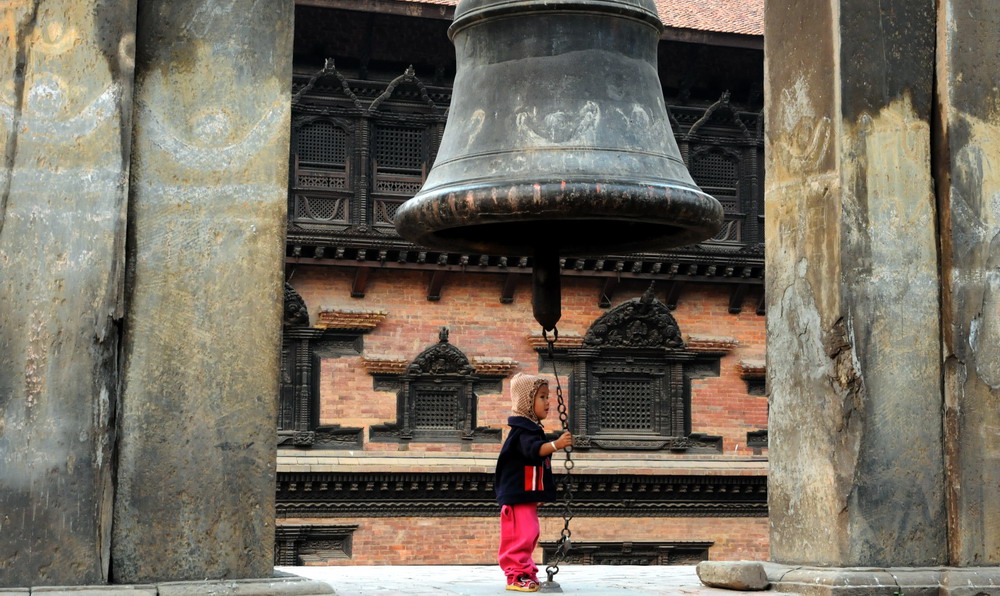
<point x="643" y="322"/>
<point x="408" y="77"/>
<point x="441" y="359"/>
<point x="721" y="104"/>
<point x="329" y="69"/>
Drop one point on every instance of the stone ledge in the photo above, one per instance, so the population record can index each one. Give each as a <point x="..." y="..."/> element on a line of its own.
<point x="889" y="581"/>
<point x="711" y="343"/>
<point x="384" y="365"/>
<point x="283" y="584"/>
<point x="486" y="463"/>
<point x="350" y="320"/>
<point x="752" y="369"/>
<point x="565" y="341"/>
<point x="492" y="366"/>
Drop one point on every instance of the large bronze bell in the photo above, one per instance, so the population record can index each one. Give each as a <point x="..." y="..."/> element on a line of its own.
<point x="557" y="141"/>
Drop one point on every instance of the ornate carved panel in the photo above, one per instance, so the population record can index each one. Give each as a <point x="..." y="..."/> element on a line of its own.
<point x="302" y="545"/>
<point x="407" y="494"/>
<point x="638" y="323"/>
<point x="436" y="400"/>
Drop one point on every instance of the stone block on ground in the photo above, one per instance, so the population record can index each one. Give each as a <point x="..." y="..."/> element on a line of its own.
<point x="734" y="575"/>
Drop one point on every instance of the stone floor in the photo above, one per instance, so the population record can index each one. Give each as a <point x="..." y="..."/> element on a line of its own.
<point x="475" y="580"/>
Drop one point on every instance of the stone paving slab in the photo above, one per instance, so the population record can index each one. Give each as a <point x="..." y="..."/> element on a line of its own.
<point x="480" y="580"/>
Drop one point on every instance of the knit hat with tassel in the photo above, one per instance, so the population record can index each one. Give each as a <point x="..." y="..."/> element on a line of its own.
<point x="522" y="395"/>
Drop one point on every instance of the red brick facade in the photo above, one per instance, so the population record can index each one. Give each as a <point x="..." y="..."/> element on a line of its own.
<point x="487" y="331"/>
<point x="474" y="540"/>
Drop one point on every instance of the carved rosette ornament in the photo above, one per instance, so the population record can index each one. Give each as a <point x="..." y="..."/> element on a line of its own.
<point x="441" y="359"/>
<point x="643" y="322"/>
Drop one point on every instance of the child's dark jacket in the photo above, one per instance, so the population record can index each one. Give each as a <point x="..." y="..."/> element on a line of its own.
<point x="523" y="476"/>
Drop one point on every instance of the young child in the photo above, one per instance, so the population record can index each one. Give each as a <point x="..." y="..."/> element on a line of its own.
<point x="524" y="479"/>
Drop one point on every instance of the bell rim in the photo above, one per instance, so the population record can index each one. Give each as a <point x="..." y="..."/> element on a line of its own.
<point x="689" y="214"/>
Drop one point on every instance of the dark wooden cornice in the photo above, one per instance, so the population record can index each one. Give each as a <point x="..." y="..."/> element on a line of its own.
<point x="700" y="264"/>
<point x="394" y="494"/>
<point x="738" y="268"/>
<point x="714" y="38"/>
<point x="409" y="9"/>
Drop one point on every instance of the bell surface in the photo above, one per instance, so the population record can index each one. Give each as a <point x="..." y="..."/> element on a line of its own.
<point x="557" y="136"/>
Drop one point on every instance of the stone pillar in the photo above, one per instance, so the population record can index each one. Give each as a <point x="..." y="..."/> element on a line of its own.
<point x="195" y="495"/>
<point x="968" y="177"/>
<point x="65" y="124"/>
<point x="853" y="348"/>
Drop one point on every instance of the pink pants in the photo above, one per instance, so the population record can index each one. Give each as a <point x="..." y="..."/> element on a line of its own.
<point x="518" y="538"/>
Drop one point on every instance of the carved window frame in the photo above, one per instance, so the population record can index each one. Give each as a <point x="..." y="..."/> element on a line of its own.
<point x="638" y="340"/>
<point x="302" y="349"/>
<point x="322" y="193"/>
<point x="442" y="368"/>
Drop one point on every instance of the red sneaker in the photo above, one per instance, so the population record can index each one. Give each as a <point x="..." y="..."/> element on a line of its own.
<point x="522" y="583"/>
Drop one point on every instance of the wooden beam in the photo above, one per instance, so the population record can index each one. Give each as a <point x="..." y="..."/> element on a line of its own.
<point x="761" y="304"/>
<point x="674" y="294"/>
<point x="607" y="292"/>
<point x="736" y="299"/>
<point x="397" y="7"/>
<point x="360" y="282"/>
<point x="509" y="285"/>
<point x="434" y="287"/>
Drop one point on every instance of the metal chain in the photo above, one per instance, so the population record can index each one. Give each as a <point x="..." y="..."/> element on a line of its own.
<point x="563" y="546"/>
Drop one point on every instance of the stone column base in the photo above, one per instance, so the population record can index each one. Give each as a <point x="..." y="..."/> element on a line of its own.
<point x="890" y="581"/>
<point x="281" y="585"/>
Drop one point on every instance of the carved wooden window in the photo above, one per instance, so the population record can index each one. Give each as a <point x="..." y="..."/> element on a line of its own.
<point x="321" y="152"/>
<point x="630" y="382"/>
<point x="717" y="171"/>
<point x="400" y="159"/>
<point x="436" y="399"/>
<point x="321" y="177"/>
<point x="438" y="407"/>
<point x="630" y="402"/>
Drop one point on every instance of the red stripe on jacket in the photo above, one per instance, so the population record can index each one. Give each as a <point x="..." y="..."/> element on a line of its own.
<point x="533" y="478"/>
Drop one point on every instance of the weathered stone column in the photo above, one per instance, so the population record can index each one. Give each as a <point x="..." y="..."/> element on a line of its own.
<point x="65" y="113"/>
<point x="968" y="177"/>
<point x="195" y="493"/>
<point x="853" y="336"/>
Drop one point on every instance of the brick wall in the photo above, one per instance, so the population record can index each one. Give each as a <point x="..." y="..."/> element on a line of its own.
<point x="474" y="541"/>
<point x="481" y="326"/>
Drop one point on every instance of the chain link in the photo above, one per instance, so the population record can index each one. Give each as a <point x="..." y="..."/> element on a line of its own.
<point x="563" y="546"/>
